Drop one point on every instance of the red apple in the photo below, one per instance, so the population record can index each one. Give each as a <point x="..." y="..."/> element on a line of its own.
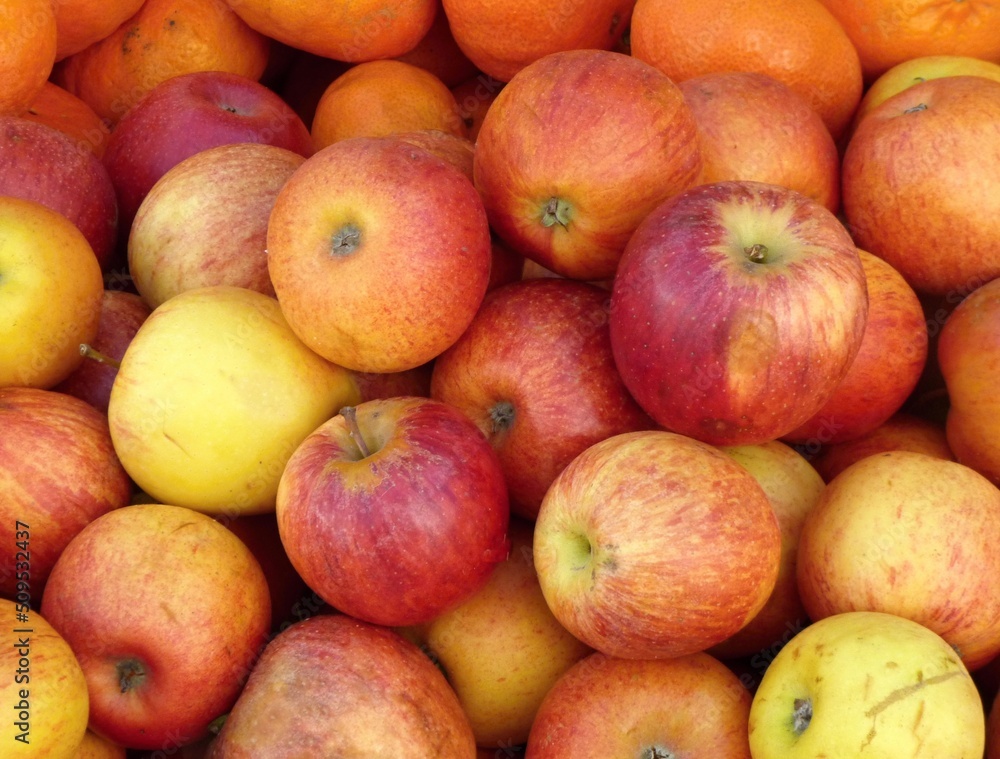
<point x="40" y="163"/>
<point x="204" y="222"/>
<point x="576" y="150"/>
<point x="887" y="368"/>
<point x="534" y="371"/>
<point x="122" y="313"/>
<point x="652" y="544"/>
<point x="689" y="706"/>
<point x="166" y="610"/>
<point x="59" y="472"/>
<point x="921" y="182"/>
<point x="185" y="115"/>
<point x="379" y="253"/>
<point x="372" y="385"/>
<point x="736" y="311"/>
<point x="458" y="151"/>
<point x="908" y="534"/>
<point x="394" y="511"/>
<point x="333" y="686"/>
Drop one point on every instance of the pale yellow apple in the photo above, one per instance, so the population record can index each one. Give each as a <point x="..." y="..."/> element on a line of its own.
<point x="502" y="649"/>
<point x="96" y="747"/>
<point x="867" y="684"/>
<point x="51" y="289"/>
<point x="793" y="487"/>
<point x="42" y="687"/>
<point x="214" y="394"/>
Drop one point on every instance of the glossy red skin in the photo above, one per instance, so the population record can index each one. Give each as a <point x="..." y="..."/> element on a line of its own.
<point x="58" y="472"/>
<point x="122" y="313"/>
<point x="43" y="164"/>
<point x="187" y="114"/>
<point x="541" y="345"/>
<point x="408" y="532"/>
<point x="336" y="686"/>
<point x="719" y="348"/>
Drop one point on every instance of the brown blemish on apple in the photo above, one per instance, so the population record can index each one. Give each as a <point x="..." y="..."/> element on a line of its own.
<point x="900" y="694"/>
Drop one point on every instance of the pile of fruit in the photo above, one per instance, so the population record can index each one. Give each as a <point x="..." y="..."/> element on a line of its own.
<point x="466" y="379"/>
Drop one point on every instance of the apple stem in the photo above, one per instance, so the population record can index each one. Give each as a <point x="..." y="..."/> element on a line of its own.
<point x="801" y="715"/>
<point x="96" y="355"/>
<point x="350" y="416"/>
<point x="130" y="674"/>
<point x="756" y="253"/>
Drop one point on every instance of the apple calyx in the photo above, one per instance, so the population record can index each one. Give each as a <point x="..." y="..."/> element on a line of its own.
<point x="757" y="253"/>
<point x="350" y="416"/>
<point x="802" y="712"/>
<point x="131" y="674"/>
<point x="345" y="240"/>
<point x="658" y="752"/>
<point x="502" y="416"/>
<point x="96" y="355"/>
<point x="556" y="211"/>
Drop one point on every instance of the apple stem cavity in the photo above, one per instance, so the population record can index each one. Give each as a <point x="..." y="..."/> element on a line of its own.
<point x="96" y="355"/>
<point x="350" y="416"/>
<point x="131" y="673"/>
<point x="502" y="416"/>
<point x="802" y="712"/>
<point x="756" y="253"/>
<point x="345" y="240"/>
<point x="556" y="211"/>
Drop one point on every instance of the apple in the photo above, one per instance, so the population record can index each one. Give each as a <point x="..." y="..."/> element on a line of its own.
<point x="306" y="79"/>
<point x="969" y="358"/>
<point x="866" y="684"/>
<point x="213" y="395"/>
<point x="189" y="113"/>
<point x="371" y="386"/>
<point x="438" y="52"/>
<point x="59" y="108"/>
<point x="166" y="611"/>
<point x="753" y="126"/>
<point x="50" y="294"/>
<point x="736" y="311"/>
<point x="40" y="163"/>
<point x="879" y="381"/>
<point x="59" y="473"/>
<point x="336" y="686"/>
<point x="122" y="313"/>
<point x="793" y="488"/>
<point x="534" y="371"/>
<point x="96" y="747"/>
<point x="912" y="535"/>
<point x="379" y="253"/>
<point x="44" y="689"/>
<point x="506" y="264"/>
<point x="921" y="186"/>
<point x="394" y="511"/>
<point x="576" y="150"/>
<point x="204" y="222"/>
<point x="901" y="432"/>
<point x="690" y="706"/>
<point x="639" y="559"/>
<point x="502" y="649"/>
<point x="458" y="151"/>
<point x="474" y="97"/>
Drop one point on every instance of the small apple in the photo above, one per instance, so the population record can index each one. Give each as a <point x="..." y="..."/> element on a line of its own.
<point x="50" y="294"/>
<point x="736" y="311"/>
<point x="334" y="686"/>
<point x="394" y="511"/>
<point x="204" y="222"/>
<point x="166" y="611"/>
<point x="866" y="684"/>
<point x="639" y="559"/>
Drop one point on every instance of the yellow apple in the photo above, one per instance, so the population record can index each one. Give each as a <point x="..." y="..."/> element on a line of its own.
<point x="213" y="395"/>
<point x="502" y="649"/>
<point x="867" y="684"/>
<point x="51" y="289"/>
<point x="43" y="687"/>
<point x="96" y="747"/>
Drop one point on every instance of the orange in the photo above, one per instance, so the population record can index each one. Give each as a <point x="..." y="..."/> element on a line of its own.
<point x="27" y="51"/>
<point x="164" y="39"/>
<point x="503" y="36"/>
<point x="355" y="31"/>
<point x="81" y="23"/>
<point x="62" y="110"/>
<point x="887" y="32"/>
<point x="797" y="42"/>
<point x="440" y="54"/>
<point x="379" y="98"/>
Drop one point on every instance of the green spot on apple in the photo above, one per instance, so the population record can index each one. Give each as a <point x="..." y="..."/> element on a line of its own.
<point x="131" y="674"/>
<point x="556" y="211"/>
<point x="802" y="712"/>
<point x="345" y="240"/>
<point x="757" y="253"/>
